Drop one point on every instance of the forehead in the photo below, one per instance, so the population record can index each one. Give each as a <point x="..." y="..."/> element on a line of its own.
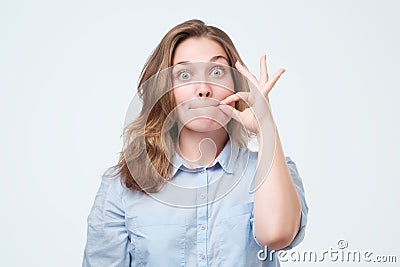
<point x="199" y="49"/>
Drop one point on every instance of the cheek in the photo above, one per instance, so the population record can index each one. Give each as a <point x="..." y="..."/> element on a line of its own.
<point x="222" y="93"/>
<point x="188" y="92"/>
<point x="181" y="95"/>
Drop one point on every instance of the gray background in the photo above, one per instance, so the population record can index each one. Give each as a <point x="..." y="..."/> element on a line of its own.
<point x="68" y="70"/>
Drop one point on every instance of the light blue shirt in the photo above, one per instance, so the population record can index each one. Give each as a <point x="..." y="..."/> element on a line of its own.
<point x="128" y="228"/>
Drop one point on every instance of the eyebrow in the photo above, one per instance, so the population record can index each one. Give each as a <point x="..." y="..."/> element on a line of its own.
<point x="213" y="59"/>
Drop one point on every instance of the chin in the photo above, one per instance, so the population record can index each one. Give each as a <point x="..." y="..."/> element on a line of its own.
<point x="203" y="125"/>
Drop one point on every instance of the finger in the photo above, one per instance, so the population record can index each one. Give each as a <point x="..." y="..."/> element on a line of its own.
<point x="274" y="79"/>
<point x="236" y="97"/>
<point x="230" y="111"/>
<point x="263" y="70"/>
<point x="244" y="71"/>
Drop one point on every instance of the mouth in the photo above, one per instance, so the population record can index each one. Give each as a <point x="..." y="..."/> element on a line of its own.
<point x="203" y="103"/>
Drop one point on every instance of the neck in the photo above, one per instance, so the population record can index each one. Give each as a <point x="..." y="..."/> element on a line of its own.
<point x="201" y="148"/>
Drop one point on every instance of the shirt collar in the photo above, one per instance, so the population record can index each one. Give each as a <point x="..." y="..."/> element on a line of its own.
<point x="226" y="159"/>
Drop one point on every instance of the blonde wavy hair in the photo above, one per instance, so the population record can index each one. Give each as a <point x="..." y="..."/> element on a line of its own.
<point x="144" y="162"/>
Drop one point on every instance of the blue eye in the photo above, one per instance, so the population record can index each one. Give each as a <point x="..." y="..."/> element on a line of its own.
<point x="217" y="72"/>
<point x="184" y="75"/>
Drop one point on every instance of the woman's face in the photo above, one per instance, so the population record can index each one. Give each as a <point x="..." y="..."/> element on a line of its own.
<point x="202" y="78"/>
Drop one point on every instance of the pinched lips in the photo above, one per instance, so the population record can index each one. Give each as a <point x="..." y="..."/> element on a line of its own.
<point x="202" y="103"/>
<point x="202" y="108"/>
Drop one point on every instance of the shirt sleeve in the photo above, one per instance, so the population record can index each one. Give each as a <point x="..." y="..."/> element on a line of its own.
<point x="107" y="238"/>
<point x="304" y="207"/>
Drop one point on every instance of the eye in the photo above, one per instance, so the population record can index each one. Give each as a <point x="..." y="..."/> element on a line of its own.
<point x="184" y="75"/>
<point x="217" y="72"/>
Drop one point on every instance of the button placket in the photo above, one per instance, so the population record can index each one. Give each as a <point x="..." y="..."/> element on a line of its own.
<point x="202" y="210"/>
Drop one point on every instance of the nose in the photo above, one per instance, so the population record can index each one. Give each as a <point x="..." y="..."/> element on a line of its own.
<point x="203" y="91"/>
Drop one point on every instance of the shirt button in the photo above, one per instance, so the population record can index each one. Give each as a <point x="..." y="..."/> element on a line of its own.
<point x="202" y="227"/>
<point x="202" y="196"/>
<point x="203" y="170"/>
<point x="202" y="256"/>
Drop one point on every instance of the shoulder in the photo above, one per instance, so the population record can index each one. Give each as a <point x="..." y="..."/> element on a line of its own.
<point x="246" y="152"/>
<point x="111" y="185"/>
<point x="252" y="154"/>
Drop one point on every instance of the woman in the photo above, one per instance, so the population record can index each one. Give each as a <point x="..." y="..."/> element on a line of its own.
<point x="187" y="191"/>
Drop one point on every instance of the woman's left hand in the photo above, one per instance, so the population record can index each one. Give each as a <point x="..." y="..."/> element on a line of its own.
<point x="257" y="98"/>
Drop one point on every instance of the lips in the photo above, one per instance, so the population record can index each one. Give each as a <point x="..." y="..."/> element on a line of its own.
<point x="202" y="108"/>
<point x="203" y="103"/>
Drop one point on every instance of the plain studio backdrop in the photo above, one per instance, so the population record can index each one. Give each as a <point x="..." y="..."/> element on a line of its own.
<point x="68" y="70"/>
